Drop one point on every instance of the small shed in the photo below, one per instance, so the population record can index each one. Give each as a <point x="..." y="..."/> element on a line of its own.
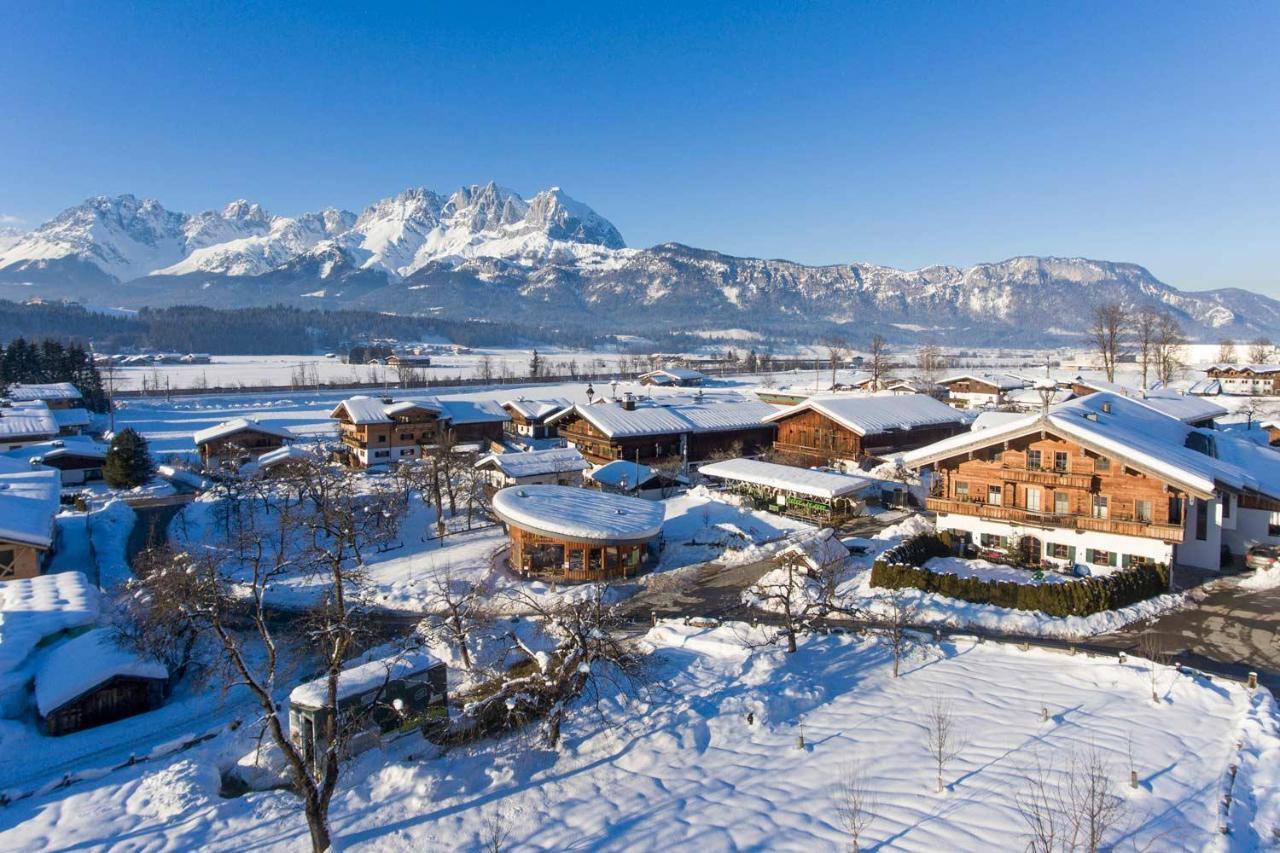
<point x="679" y="377"/>
<point x="632" y="478"/>
<point x="823" y="496"/>
<point x="89" y="681"/>
<point x="561" y="466"/>
<point x="375" y="696"/>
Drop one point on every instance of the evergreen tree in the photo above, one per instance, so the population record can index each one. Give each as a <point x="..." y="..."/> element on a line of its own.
<point x="128" y="463"/>
<point x="535" y="365"/>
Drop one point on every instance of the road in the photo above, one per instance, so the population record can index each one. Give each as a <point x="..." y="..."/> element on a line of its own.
<point x="1230" y="630"/>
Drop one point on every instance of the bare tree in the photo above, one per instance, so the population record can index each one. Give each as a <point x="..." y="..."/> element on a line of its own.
<point x="1168" y="343"/>
<point x="1227" y="351"/>
<point x="586" y="632"/>
<point x="837" y="351"/>
<point x="878" y="361"/>
<point x="227" y="586"/>
<point x="1260" y="350"/>
<point x="893" y="627"/>
<point x="1144" y="335"/>
<point x="1151" y="647"/>
<point x="151" y="617"/>
<point x="1073" y="809"/>
<point x="461" y="607"/>
<point x="1107" y="331"/>
<point x="495" y="831"/>
<point x="855" y="805"/>
<point x="946" y="741"/>
<point x="800" y="591"/>
<point x="929" y="363"/>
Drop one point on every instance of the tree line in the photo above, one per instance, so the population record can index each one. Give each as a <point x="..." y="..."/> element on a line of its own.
<point x="23" y="361"/>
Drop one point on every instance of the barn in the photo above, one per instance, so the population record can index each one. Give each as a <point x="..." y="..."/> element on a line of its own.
<point x="89" y="681"/>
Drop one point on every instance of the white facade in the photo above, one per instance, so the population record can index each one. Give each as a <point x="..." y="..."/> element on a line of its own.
<point x="1082" y="541"/>
<point x="972" y="399"/>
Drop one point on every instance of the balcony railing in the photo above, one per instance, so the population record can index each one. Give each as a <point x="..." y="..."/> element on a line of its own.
<point x="1018" y="515"/>
<point x="1048" y="477"/>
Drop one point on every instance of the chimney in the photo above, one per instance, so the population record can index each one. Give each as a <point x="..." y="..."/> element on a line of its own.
<point x="629" y="401"/>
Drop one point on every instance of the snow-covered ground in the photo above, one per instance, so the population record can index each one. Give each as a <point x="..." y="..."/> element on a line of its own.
<point x="677" y="765"/>
<point x="988" y="571"/>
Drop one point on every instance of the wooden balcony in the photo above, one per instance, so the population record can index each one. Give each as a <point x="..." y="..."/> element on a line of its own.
<point x="1048" y="477"/>
<point x="1017" y="515"/>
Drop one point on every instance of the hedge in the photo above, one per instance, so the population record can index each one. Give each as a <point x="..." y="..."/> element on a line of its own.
<point x="900" y="567"/>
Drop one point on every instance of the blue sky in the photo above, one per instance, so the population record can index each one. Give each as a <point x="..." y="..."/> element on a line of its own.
<point x="898" y="133"/>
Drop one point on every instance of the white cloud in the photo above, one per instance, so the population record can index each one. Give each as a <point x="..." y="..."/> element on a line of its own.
<point x="5" y="219"/>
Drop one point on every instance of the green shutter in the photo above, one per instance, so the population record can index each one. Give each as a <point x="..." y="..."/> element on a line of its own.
<point x="1124" y="561"/>
<point x="1071" y="553"/>
<point x="1111" y="558"/>
<point x="1088" y="555"/>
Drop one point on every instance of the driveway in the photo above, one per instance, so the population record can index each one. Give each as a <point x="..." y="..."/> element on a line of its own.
<point x="1235" y="629"/>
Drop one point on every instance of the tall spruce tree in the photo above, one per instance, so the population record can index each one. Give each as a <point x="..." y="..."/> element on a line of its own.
<point x="128" y="463"/>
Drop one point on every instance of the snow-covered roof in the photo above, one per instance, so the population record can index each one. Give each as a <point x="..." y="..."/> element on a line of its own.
<point x="536" y="462"/>
<point x="1031" y="397"/>
<point x="536" y="410"/>
<point x="877" y="413"/>
<point x="805" y="481"/>
<point x="284" y="454"/>
<point x="1188" y="408"/>
<point x="28" y="504"/>
<point x="71" y="445"/>
<point x="1205" y="388"/>
<point x="623" y="471"/>
<point x="1104" y="385"/>
<point x="27" y="423"/>
<point x="1245" y="368"/>
<point x="71" y="417"/>
<point x="651" y="418"/>
<point x="683" y="374"/>
<point x="580" y="515"/>
<point x="44" y="391"/>
<point x="362" y="409"/>
<point x="32" y="609"/>
<point x="371" y="675"/>
<point x="1145" y="438"/>
<point x="470" y="411"/>
<point x="986" y="420"/>
<point x="816" y="550"/>
<point x="235" y="426"/>
<point x="1000" y="381"/>
<point x="82" y="663"/>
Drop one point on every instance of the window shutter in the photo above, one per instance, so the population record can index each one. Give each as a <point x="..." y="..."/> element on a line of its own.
<point x="1125" y="559"/>
<point x="1071" y="553"/>
<point x="1088" y="555"/>
<point x="1111" y="558"/>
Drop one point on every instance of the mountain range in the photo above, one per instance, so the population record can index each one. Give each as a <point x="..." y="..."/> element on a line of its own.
<point x="484" y="252"/>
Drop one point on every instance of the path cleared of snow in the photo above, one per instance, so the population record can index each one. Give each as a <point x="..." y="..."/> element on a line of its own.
<point x="678" y="766"/>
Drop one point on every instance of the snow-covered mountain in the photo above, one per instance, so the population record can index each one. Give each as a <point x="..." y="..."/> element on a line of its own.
<point x="485" y="251"/>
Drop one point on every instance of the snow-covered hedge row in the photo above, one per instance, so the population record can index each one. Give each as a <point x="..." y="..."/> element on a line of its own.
<point x="900" y="567"/>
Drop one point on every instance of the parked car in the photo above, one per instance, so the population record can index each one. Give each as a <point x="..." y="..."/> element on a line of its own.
<point x="1262" y="558"/>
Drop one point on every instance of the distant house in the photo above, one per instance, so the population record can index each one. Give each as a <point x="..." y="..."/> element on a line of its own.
<point x="629" y="478"/>
<point x="1257" y="380"/>
<point x="57" y="395"/>
<point x="682" y="377"/>
<point x="835" y="429"/>
<point x="287" y="459"/>
<point x="561" y="466"/>
<point x="529" y="417"/>
<point x="1189" y="409"/>
<point x="378" y="431"/>
<point x="981" y="390"/>
<point x="196" y="358"/>
<point x="408" y="360"/>
<point x="29" y="502"/>
<point x="35" y="612"/>
<point x="239" y="440"/>
<point x="78" y="459"/>
<point x="26" y="424"/>
<point x="89" y="681"/>
<point x="645" y="430"/>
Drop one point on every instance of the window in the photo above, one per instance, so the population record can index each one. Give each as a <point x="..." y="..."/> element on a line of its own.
<point x="1273" y="524"/>
<point x="381" y="454"/>
<point x="1033" y="460"/>
<point x="1175" y="510"/>
<point x="1060" y="460"/>
<point x="1101" y="508"/>
<point x="1033" y="500"/>
<point x="962" y="491"/>
<point x="990" y="540"/>
<point x="1062" y="503"/>
<point x="1136" y="560"/>
<point x="994" y="495"/>
<point x="1202" y="519"/>
<point x="382" y="439"/>
<point x="1102" y="464"/>
<point x="1143" y="511"/>
<point x="1226" y="506"/>
<point x="406" y="436"/>
<point x="1101" y="558"/>
<point x="8" y="563"/>
<point x="1060" y="552"/>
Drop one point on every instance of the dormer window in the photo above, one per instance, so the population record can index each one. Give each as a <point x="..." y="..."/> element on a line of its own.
<point x="1106" y="407"/>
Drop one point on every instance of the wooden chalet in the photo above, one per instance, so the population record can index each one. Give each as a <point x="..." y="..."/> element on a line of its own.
<point x="239" y="440"/>
<point x="834" y="429"/>
<point x="529" y="417"/>
<point x="1104" y="481"/>
<point x="90" y="680"/>
<point x="29" y="504"/>
<point x="1262" y="380"/>
<point x="376" y="431"/>
<point x="973" y="390"/>
<point x="646" y="431"/>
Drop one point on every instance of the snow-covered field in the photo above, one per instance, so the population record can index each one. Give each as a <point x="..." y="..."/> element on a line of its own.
<point x="676" y="765"/>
